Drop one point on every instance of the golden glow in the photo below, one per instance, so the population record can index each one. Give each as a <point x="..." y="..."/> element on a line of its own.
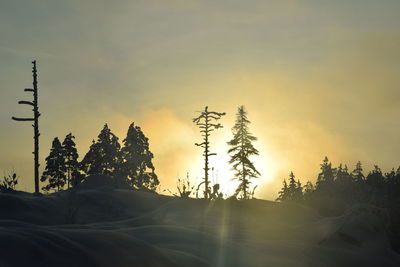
<point x="316" y="79"/>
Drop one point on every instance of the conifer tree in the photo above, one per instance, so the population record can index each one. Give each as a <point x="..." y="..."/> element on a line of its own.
<point x="343" y="177"/>
<point x="55" y="168"/>
<point x="326" y="176"/>
<point x="292" y="191"/>
<point x="71" y="160"/>
<point x="104" y="155"/>
<point x="298" y="194"/>
<point x="376" y="183"/>
<point x="284" y="193"/>
<point x="357" y="173"/>
<point x="137" y="160"/>
<point x="375" y="177"/>
<point x="308" y="190"/>
<point x="241" y="150"/>
<point x="295" y="188"/>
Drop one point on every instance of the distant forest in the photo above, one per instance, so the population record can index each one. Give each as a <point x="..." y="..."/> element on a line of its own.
<point x="337" y="188"/>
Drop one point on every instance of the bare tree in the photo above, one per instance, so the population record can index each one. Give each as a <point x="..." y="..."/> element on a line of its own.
<point x="35" y="120"/>
<point x="206" y="125"/>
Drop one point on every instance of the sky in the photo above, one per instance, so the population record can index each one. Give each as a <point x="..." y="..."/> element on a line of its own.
<point x="318" y="78"/>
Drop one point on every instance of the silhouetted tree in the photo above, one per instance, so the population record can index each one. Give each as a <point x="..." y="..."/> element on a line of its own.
<point x="292" y="191"/>
<point x="204" y="121"/>
<point x="357" y="173"/>
<point x="55" y="168"/>
<point x="137" y="160"/>
<point x="298" y="193"/>
<point x="338" y="189"/>
<point x="104" y="156"/>
<point x="71" y="160"/>
<point x="295" y="189"/>
<point x="284" y="193"/>
<point x="376" y="182"/>
<point x="308" y="190"/>
<point x="393" y="188"/>
<point x="241" y="150"/>
<point x="326" y="176"/>
<point x="35" y="125"/>
<point x="9" y="182"/>
<point x="375" y="177"/>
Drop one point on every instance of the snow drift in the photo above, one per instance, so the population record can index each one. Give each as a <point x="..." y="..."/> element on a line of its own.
<point x="99" y="223"/>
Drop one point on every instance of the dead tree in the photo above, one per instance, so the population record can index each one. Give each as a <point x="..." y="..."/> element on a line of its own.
<point x="35" y="120"/>
<point x="204" y="121"/>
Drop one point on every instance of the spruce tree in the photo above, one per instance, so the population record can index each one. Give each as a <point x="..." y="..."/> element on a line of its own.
<point x="241" y="150"/>
<point x="375" y="178"/>
<point x="71" y="160"/>
<point x="376" y="183"/>
<point x="55" y="168"/>
<point x="308" y="190"/>
<point x="357" y="173"/>
<point x="326" y="176"/>
<point x="295" y="188"/>
<point x="292" y="191"/>
<point x="104" y="155"/>
<point x="284" y="193"/>
<point x="298" y="195"/>
<point x="343" y="177"/>
<point x="137" y="160"/>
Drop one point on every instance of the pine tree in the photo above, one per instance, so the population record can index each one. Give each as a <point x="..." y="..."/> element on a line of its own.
<point x="284" y="193"/>
<point x="375" y="178"/>
<point x="377" y="190"/>
<point x="298" y="195"/>
<point x="137" y="160"/>
<point x="295" y="189"/>
<point x="55" y="168"/>
<point x="71" y="160"/>
<point x="326" y="176"/>
<point x="343" y="177"/>
<point x="104" y="156"/>
<point x="308" y="190"/>
<point x="241" y="150"/>
<point x="292" y="191"/>
<point x="357" y="173"/>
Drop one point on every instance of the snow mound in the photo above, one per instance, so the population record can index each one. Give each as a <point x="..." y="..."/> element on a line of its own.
<point x="100" y="224"/>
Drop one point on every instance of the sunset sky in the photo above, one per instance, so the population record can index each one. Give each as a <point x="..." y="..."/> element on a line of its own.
<point x="318" y="78"/>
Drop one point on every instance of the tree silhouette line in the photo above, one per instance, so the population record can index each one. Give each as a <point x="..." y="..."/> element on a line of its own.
<point x="130" y="164"/>
<point x="338" y="188"/>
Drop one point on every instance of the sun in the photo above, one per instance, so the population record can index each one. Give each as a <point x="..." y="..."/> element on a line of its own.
<point x="221" y="171"/>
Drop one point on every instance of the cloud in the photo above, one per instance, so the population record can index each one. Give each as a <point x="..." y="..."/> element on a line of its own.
<point x="317" y="79"/>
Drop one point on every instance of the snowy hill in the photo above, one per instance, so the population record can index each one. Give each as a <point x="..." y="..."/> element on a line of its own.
<point x="99" y="224"/>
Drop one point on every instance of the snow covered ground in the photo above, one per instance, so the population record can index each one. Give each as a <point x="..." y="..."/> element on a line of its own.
<point x="96" y="224"/>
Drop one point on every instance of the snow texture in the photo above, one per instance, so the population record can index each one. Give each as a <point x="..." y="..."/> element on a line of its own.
<point x="100" y="224"/>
